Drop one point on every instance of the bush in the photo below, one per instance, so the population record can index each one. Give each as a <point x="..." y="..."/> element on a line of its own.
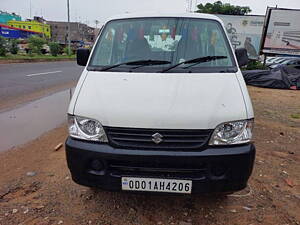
<point x="3" y="49"/>
<point x="35" y="44"/>
<point x="13" y="47"/>
<point x="255" y="65"/>
<point x="66" y="51"/>
<point x="54" y="48"/>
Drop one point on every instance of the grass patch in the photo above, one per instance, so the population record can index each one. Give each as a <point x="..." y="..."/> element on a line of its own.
<point x="295" y="116"/>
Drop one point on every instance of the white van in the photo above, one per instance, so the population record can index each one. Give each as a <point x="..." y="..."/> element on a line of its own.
<point x="161" y="106"/>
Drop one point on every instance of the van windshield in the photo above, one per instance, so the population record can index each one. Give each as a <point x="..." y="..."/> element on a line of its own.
<point x="170" y="41"/>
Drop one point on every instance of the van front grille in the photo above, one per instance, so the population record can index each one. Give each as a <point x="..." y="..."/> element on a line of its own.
<point x="153" y="139"/>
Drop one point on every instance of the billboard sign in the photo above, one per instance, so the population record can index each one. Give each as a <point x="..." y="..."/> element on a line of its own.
<point x="244" y="32"/>
<point x="282" y="32"/>
<point x="13" y="32"/>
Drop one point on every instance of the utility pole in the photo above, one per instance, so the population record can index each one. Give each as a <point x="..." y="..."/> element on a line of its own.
<point x="69" y="28"/>
<point x="96" y="22"/>
<point x="189" y="5"/>
<point x="30" y="9"/>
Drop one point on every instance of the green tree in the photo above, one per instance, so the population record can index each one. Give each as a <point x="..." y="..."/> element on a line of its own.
<point x="35" y="44"/>
<point x="54" y="48"/>
<point x="13" y="47"/>
<point x="220" y="8"/>
<point x="3" y="44"/>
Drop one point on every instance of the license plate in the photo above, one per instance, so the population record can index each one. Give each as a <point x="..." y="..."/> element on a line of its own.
<point x="156" y="185"/>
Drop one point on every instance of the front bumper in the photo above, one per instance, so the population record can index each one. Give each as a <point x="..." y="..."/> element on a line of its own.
<point x="216" y="169"/>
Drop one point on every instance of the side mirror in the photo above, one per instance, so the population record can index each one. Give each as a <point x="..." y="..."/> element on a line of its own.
<point x="83" y="55"/>
<point x="242" y="56"/>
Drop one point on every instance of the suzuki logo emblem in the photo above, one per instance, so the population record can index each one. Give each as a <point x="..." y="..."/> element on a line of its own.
<point x="157" y="138"/>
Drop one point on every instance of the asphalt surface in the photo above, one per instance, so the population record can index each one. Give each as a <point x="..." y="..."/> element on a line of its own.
<point x="25" y="78"/>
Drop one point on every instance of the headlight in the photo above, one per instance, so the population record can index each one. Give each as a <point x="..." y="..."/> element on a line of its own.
<point x="231" y="133"/>
<point x="86" y="129"/>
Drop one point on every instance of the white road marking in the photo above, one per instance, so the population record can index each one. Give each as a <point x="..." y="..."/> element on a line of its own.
<point x="38" y="74"/>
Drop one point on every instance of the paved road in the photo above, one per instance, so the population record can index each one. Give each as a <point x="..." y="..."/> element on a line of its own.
<point x="25" y="78"/>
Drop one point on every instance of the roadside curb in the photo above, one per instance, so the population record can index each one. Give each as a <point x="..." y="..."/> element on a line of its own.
<point x="10" y="61"/>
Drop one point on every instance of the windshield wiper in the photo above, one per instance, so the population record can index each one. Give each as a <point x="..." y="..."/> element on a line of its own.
<point x="138" y="63"/>
<point x="195" y="62"/>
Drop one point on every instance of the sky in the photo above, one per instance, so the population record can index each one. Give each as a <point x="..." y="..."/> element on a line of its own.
<point x="88" y="11"/>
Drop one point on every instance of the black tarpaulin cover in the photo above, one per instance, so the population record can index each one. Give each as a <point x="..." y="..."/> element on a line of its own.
<point x="282" y="77"/>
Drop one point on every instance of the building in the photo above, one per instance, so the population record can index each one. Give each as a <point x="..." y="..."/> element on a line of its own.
<point x="97" y="32"/>
<point x="5" y="17"/>
<point x="79" y="32"/>
<point x="15" y="33"/>
<point x="37" y="25"/>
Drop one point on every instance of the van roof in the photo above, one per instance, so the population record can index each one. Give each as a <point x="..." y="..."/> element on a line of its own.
<point x="164" y="14"/>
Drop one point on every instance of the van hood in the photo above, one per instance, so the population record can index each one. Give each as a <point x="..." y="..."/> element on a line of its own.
<point x="162" y="101"/>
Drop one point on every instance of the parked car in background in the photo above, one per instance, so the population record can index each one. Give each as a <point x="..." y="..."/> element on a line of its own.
<point x="276" y="60"/>
<point x="280" y="60"/>
<point x="270" y="60"/>
<point x="287" y="62"/>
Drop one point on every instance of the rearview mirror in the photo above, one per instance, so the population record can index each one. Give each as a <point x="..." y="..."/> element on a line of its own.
<point x="83" y="55"/>
<point x="242" y="56"/>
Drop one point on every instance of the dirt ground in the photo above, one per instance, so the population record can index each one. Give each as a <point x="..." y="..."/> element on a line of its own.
<point x="35" y="184"/>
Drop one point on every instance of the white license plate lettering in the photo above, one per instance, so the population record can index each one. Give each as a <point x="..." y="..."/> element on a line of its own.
<point x="168" y="187"/>
<point x="174" y="186"/>
<point x="187" y="187"/>
<point x="180" y="186"/>
<point x="143" y="185"/>
<point x="156" y="185"/>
